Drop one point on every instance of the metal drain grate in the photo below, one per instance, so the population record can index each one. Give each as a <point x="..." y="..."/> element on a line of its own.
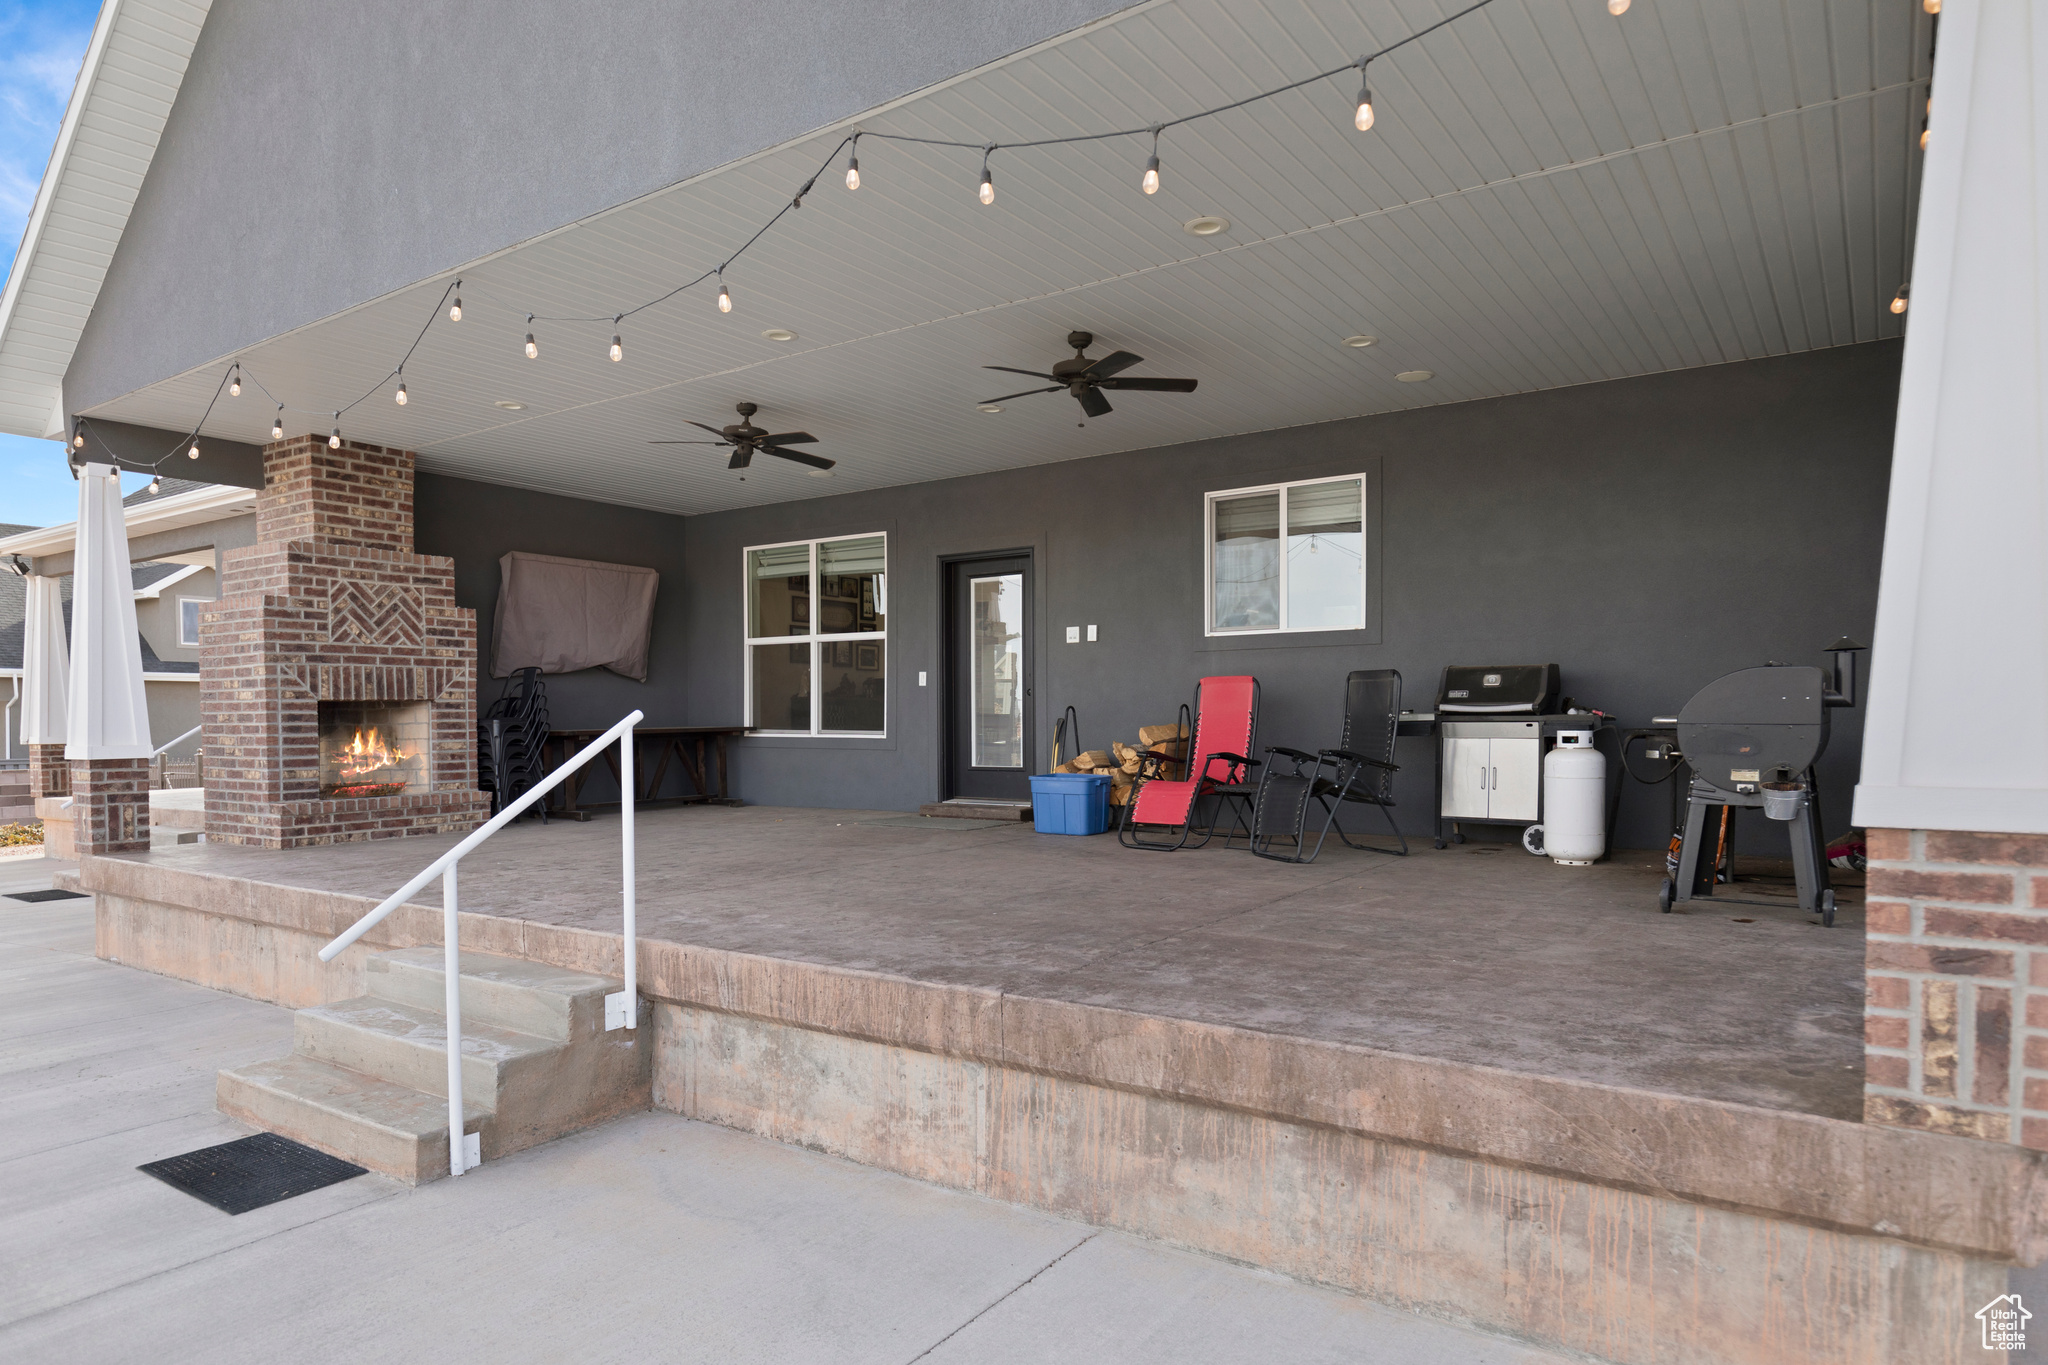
<point x="47" y="896"/>
<point x="251" y="1172"/>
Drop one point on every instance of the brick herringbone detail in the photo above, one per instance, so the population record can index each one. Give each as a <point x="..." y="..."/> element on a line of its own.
<point x="1956" y="1001"/>
<point x="374" y="614"/>
<point x="331" y="604"/>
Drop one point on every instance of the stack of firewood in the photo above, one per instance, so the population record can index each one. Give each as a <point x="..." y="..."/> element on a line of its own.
<point x="1125" y="763"/>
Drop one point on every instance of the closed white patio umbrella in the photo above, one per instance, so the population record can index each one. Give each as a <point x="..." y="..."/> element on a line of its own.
<point x="109" y="714"/>
<point x="45" y="664"/>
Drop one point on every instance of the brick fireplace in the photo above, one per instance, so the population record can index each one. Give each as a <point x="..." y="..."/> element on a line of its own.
<point x="337" y="676"/>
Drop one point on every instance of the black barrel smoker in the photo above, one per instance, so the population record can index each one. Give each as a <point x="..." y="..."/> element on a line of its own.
<point x="1751" y="740"/>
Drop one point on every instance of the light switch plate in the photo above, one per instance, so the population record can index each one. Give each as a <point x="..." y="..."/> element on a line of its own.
<point x="1091" y="635"/>
<point x="920" y="678"/>
<point x="1073" y="635"/>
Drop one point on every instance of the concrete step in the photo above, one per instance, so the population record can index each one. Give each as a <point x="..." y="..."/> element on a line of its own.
<point x="509" y="992"/>
<point x="368" y="1078"/>
<point x="389" y="1128"/>
<point x="963" y="808"/>
<point x="408" y="1046"/>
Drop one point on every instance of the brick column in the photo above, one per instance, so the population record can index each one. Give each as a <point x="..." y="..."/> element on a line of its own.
<point x="48" y="773"/>
<point x="110" y="805"/>
<point x="1956" y="1016"/>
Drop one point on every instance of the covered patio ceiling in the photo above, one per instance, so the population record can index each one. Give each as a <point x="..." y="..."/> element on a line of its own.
<point x="1551" y="196"/>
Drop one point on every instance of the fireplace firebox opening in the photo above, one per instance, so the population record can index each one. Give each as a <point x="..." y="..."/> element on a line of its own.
<point x="373" y="748"/>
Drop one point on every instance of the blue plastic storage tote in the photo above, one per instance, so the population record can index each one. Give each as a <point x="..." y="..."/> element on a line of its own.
<point x="1070" y="803"/>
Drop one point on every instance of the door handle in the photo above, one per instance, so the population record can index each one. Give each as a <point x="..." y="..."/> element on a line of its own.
<point x="1496" y="779"/>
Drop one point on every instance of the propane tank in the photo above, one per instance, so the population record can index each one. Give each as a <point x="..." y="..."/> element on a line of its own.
<point x="1574" y="800"/>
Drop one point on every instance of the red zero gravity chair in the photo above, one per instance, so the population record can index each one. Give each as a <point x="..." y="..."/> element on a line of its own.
<point x="1226" y="720"/>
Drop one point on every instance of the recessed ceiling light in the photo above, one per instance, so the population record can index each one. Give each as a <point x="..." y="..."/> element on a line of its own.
<point x="1415" y="376"/>
<point x="779" y="334"/>
<point x="510" y="406"/>
<point x="1360" y="341"/>
<point x="986" y="407"/>
<point x="1208" y="225"/>
<point x="821" y="473"/>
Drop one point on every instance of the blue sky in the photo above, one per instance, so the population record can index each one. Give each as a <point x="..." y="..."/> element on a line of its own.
<point x="41" y="45"/>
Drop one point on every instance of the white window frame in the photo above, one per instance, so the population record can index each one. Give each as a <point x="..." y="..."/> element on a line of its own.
<point x="1209" y="501"/>
<point x="814" y="639"/>
<point x="203" y="602"/>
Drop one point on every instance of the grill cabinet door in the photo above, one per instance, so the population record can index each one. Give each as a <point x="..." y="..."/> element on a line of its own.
<point x="1467" y="777"/>
<point x="1516" y="784"/>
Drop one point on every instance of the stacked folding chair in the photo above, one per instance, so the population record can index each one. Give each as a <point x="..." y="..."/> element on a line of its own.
<point x="512" y="738"/>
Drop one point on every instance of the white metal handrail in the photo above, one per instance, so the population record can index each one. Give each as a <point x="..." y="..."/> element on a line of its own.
<point x="163" y="748"/>
<point x="621" y="1009"/>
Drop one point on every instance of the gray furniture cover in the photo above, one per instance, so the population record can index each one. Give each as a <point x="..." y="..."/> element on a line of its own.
<point x="559" y="615"/>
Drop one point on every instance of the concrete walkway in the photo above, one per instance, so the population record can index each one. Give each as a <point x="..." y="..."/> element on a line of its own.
<point x="650" y="1239"/>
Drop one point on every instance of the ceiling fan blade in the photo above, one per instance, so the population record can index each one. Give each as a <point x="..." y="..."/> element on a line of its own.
<point x="1035" y="374"/>
<point x="789" y="438"/>
<point x="1113" y="363"/>
<point x="1093" y="403"/>
<point x="713" y="430"/>
<point x="1152" y="385"/>
<point x="804" y="457"/>
<point x="1057" y="388"/>
<point x="742" y="456"/>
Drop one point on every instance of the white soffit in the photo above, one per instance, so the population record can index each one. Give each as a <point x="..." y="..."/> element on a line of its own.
<point x="125" y="90"/>
<point x="1551" y="197"/>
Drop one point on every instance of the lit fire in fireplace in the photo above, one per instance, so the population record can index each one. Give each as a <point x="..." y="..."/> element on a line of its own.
<point x="360" y="766"/>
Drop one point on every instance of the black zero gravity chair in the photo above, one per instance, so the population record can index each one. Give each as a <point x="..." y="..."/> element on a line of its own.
<point x="1360" y="769"/>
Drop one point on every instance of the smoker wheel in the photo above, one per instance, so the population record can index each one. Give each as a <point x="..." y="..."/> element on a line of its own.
<point x="1439" y="843"/>
<point x="1827" y="909"/>
<point x="1664" y="893"/>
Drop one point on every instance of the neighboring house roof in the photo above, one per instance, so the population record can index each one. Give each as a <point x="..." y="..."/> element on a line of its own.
<point x="126" y="87"/>
<point x="167" y="487"/>
<point x="14" y="610"/>
<point x="152" y="579"/>
<point x="168" y="510"/>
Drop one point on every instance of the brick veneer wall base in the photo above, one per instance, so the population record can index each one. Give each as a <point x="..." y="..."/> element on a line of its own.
<point x="110" y="805"/>
<point x="331" y="604"/>
<point x="1956" y="960"/>
<point x="49" y="774"/>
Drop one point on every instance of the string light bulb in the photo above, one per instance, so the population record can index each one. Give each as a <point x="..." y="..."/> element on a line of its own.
<point x="193" y="453"/>
<point x="853" y="164"/>
<point x="1362" y="120"/>
<point x="1923" y="138"/>
<point x="618" y="351"/>
<point x="156" y="486"/>
<point x="277" y="424"/>
<point x="988" y="180"/>
<point x="78" y="435"/>
<point x="334" y="438"/>
<point x="235" y="384"/>
<point x="455" y="312"/>
<point x="1931" y="6"/>
<point x="400" y="395"/>
<point x="1617" y="8"/>
<point x="1150" y="184"/>
<point x="532" y="346"/>
<point x="724" y="298"/>
<point x="1899" y="300"/>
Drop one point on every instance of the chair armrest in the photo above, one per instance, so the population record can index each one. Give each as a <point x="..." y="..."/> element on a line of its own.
<point x="1350" y="757"/>
<point x="1296" y="754"/>
<point x="1235" y="759"/>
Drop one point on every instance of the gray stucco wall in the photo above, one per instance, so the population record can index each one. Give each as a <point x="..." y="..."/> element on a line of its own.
<point x="1648" y="535"/>
<point x="476" y="523"/>
<point x="322" y="154"/>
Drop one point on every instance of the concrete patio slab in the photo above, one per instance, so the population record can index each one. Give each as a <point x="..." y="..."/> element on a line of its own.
<point x="653" y="1237"/>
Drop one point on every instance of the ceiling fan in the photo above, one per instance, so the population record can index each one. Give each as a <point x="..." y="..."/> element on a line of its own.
<point x="748" y="440"/>
<point x="1086" y="379"/>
